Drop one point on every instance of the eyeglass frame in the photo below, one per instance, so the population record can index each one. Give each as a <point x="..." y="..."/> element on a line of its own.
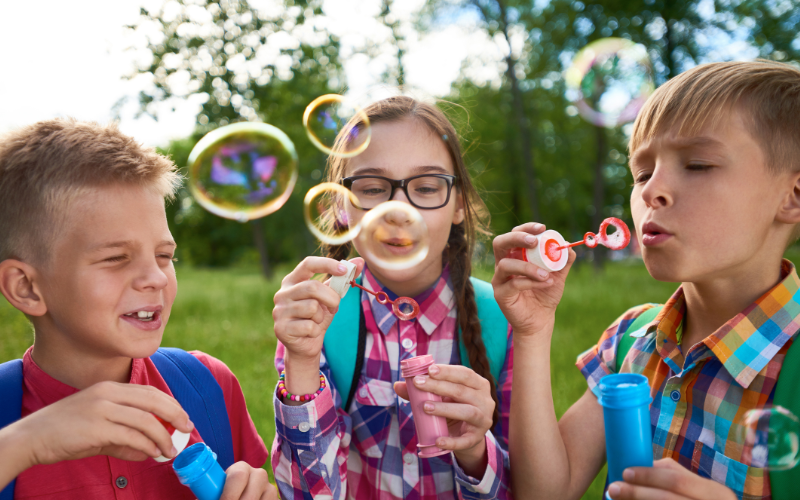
<point x="347" y="182"/>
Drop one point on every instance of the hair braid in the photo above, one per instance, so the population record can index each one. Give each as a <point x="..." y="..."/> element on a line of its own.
<point x="460" y="261"/>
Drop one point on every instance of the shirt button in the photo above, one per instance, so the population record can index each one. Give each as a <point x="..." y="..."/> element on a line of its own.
<point x="408" y="343"/>
<point x="675" y="395"/>
<point x="363" y="392"/>
<point x="408" y="458"/>
<point x="121" y="482"/>
<point x="304" y="426"/>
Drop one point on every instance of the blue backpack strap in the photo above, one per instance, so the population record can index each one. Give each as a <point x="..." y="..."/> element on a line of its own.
<point x="200" y="395"/>
<point x="494" y="328"/>
<point x="341" y="344"/>
<point x="10" y="405"/>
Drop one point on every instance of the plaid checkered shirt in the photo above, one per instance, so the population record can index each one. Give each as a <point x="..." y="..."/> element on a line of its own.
<point x="700" y="398"/>
<point x="370" y="452"/>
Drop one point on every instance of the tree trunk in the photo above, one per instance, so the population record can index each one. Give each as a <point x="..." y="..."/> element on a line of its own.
<point x="599" y="193"/>
<point x="526" y="143"/>
<point x="261" y="245"/>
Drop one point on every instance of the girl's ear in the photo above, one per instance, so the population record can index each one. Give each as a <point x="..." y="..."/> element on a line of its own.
<point x="458" y="217"/>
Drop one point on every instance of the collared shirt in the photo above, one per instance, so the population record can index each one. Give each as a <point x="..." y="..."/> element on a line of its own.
<point x="103" y="477"/>
<point x="370" y="452"/>
<point x="701" y="397"/>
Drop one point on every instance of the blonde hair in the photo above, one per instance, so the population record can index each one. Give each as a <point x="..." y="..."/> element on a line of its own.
<point x="767" y="92"/>
<point x="44" y="167"/>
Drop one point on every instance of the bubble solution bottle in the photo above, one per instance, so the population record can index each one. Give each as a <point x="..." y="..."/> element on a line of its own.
<point x="197" y="468"/>
<point x="625" y="398"/>
<point x="429" y="427"/>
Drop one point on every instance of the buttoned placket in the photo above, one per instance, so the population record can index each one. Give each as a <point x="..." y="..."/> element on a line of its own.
<point x="120" y="479"/>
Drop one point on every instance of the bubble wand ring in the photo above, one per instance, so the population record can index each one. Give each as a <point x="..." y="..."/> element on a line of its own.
<point x="383" y="298"/>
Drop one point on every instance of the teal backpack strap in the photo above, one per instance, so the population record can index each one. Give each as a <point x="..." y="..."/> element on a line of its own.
<point x="787" y="394"/>
<point x="341" y="344"/>
<point x="494" y="328"/>
<point x="626" y="342"/>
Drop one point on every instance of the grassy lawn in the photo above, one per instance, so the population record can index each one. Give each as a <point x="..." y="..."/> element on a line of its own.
<point x="227" y="313"/>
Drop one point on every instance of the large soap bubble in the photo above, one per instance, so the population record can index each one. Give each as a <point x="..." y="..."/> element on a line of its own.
<point x="610" y="80"/>
<point x="243" y="171"/>
<point x="394" y="236"/>
<point x="770" y="438"/>
<point x="336" y="126"/>
<point x="331" y="213"/>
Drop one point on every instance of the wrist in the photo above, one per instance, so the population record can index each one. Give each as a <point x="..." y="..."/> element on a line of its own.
<point x="16" y="451"/>
<point x="302" y="375"/>
<point x="473" y="460"/>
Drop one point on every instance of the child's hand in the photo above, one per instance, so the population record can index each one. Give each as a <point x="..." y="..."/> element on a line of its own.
<point x="468" y="406"/>
<point x="106" y="419"/>
<point x="244" y="482"/>
<point x="527" y="294"/>
<point x="669" y="480"/>
<point x="304" y="308"/>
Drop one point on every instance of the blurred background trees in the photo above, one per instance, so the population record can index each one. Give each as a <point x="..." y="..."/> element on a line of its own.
<point x="530" y="152"/>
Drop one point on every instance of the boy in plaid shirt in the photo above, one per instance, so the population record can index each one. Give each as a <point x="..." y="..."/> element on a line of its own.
<point x="716" y="201"/>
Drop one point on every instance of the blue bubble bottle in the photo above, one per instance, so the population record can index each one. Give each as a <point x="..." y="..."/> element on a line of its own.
<point x="197" y="468"/>
<point x="625" y="398"/>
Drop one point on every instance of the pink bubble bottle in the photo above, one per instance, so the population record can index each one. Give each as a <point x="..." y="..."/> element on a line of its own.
<point x="429" y="427"/>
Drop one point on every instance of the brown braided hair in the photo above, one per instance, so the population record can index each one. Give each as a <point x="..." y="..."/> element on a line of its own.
<point x="461" y="243"/>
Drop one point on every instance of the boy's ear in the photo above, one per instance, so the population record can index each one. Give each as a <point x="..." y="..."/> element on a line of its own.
<point x="789" y="212"/>
<point x="20" y="286"/>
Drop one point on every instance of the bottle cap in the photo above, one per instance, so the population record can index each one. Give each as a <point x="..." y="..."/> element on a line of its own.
<point x="416" y="365"/>
<point x="341" y="284"/>
<point x="179" y="439"/>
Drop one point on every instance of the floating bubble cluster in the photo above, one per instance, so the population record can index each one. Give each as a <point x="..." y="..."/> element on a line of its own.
<point x="609" y="80"/>
<point x="336" y="126"/>
<point x="331" y="214"/>
<point x="771" y="438"/>
<point x="243" y="171"/>
<point x="394" y="236"/>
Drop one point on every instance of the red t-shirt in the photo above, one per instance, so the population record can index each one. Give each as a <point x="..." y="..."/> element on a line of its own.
<point x="103" y="477"/>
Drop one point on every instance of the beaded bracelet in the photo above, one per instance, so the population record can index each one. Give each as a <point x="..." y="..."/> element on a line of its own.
<point x="284" y="394"/>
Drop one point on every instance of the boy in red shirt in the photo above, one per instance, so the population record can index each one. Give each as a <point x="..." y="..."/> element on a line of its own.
<point x="86" y="254"/>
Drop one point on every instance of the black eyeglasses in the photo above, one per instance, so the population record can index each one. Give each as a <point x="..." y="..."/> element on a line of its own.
<point x="426" y="192"/>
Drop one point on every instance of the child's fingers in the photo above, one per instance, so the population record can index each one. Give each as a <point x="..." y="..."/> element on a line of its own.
<point x="307" y="309"/>
<point x="506" y="268"/>
<point x="146" y="424"/>
<point x="625" y="491"/>
<point x="311" y="266"/>
<point x="520" y="284"/>
<point x="147" y="398"/>
<point x="236" y="479"/>
<point x="504" y="243"/>
<point x="312" y="289"/>
<point x="123" y="436"/>
<point x="668" y="475"/>
<point x="402" y="390"/>
<point x="457" y="392"/>
<point x="459" y="411"/>
<point x="462" y="442"/>
<point x="458" y="374"/>
<point x="531" y="228"/>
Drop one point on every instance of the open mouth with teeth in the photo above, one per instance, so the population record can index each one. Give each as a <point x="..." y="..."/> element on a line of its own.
<point x="145" y="316"/>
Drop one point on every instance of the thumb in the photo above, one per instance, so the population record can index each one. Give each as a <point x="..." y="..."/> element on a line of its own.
<point x="402" y="390"/>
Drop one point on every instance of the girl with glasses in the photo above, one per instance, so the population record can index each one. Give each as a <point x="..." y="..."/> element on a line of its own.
<point x="367" y="448"/>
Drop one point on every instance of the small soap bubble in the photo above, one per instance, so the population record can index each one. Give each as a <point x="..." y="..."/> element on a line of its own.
<point x="393" y="236"/>
<point x="336" y="126"/>
<point x="332" y="214"/>
<point x="770" y="438"/>
<point x="243" y="171"/>
<point x="610" y="80"/>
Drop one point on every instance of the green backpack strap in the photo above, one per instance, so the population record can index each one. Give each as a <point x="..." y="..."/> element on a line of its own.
<point x="787" y="394"/>
<point x="341" y="342"/>
<point x="626" y="342"/>
<point x="494" y="328"/>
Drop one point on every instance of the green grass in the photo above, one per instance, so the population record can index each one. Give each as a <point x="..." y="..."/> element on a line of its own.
<point x="227" y="313"/>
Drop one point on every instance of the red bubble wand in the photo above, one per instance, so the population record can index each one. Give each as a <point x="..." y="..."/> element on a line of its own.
<point x="383" y="298"/>
<point x="615" y="241"/>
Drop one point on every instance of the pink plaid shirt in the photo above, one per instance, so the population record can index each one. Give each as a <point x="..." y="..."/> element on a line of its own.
<point x="320" y="451"/>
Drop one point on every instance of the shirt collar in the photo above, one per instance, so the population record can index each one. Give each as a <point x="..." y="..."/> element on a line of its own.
<point x="747" y="342"/>
<point x="435" y="303"/>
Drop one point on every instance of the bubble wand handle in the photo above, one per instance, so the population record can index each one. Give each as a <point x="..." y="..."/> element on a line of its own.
<point x="383" y="298"/>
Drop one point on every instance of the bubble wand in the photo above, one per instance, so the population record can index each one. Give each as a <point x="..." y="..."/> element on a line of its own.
<point x="549" y="253"/>
<point x="341" y="284"/>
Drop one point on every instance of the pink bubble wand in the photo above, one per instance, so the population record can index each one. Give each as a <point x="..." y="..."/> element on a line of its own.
<point x="383" y="298"/>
